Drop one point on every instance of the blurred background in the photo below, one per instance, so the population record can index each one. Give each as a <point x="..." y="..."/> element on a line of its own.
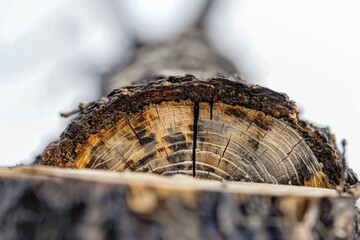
<point x="55" y="54"/>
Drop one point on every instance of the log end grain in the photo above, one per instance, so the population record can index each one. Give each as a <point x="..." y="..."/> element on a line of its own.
<point x="220" y="129"/>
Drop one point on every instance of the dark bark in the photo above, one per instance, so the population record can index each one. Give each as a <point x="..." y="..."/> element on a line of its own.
<point x="188" y="54"/>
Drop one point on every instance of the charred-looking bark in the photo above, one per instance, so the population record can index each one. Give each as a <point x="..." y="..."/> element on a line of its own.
<point x="191" y="115"/>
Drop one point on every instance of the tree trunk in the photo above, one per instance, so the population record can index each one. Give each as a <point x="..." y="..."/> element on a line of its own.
<point x="187" y="54"/>
<point x="206" y="123"/>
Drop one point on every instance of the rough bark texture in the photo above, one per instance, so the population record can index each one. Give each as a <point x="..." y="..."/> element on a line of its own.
<point x="44" y="203"/>
<point x="187" y="54"/>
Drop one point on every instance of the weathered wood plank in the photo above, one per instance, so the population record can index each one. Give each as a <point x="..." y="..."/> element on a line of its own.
<point x="52" y="203"/>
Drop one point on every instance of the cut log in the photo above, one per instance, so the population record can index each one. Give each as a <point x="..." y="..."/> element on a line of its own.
<point x="215" y="129"/>
<point x="53" y="203"/>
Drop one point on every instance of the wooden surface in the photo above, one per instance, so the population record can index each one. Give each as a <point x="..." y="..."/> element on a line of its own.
<point x="53" y="203"/>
